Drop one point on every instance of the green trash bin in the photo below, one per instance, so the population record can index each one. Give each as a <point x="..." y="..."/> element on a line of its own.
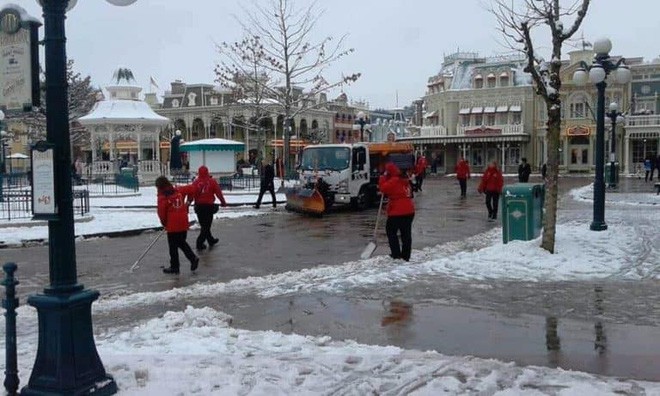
<point x="522" y="211"/>
<point x="608" y="170"/>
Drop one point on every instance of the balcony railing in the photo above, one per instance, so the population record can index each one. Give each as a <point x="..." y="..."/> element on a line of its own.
<point x="506" y="129"/>
<point x="643" y="120"/>
<point x="436" y="130"/>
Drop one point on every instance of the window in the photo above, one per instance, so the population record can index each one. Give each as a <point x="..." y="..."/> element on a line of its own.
<point x="465" y="120"/>
<point x="478" y="119"/>
<point x="214" y="100"/>
<point x="191" y="99"/>
<point x="175" y="102"/>
<point x="578" y="107"/>
<point x="516" y="118"/>
<point x="502" y="119"/>
<point x="504" y="80"/>
<point x="478" y="81"/>
<point x="491" y="81"/>
<point x="490" y="119"/>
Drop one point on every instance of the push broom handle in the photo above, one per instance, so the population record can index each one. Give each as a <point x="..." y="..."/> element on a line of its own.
<point x="380" y="209"/>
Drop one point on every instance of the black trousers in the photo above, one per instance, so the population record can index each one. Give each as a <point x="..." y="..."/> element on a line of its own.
<point x="394" y="226"/>
<point x="419" y="179"/>
<point x="492" y="200"/>
<point x="463" y="183"/>
<point x="270" y="187"/>
<point x="205" y="217"/>
<point x="176" y="241"/>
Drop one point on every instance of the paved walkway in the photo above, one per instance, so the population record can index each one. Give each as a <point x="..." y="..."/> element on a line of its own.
<point x="608" y="327"/>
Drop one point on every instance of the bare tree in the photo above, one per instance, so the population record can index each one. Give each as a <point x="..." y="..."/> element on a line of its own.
<point x="241" y="70"/>
<point x="294" y="62"/>
<point x="82" y="97"/>
<point x="517" y="22"/>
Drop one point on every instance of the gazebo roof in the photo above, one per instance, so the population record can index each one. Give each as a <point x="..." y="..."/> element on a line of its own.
<point x="212" y="145"/>
<point x="123" y="112"/>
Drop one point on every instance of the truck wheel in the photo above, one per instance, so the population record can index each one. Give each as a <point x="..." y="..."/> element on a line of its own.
<point x="361" y="202"/>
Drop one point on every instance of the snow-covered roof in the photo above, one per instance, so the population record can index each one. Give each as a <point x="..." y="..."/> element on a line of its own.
<point x="215" y="144"/>
<point x="123" y="111"/>
<point x="25" y="17"/>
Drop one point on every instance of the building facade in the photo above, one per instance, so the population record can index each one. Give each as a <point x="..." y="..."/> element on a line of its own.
<point x="486" y="109"/>
<point x="202" y="111"/>
<point x="477" y="108"/>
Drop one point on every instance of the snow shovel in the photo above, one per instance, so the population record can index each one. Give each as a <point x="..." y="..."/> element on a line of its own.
<point x="135" y="265"/>
<point x="371" y="246"/>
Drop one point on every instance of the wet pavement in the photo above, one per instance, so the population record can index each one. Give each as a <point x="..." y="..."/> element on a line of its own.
<point x="610" y="327"/>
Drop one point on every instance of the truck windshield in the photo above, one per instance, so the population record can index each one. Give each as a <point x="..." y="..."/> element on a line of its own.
<point x="325" y="158"/>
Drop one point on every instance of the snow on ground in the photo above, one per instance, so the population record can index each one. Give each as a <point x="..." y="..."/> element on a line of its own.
<point x="196" y="352"/>
<point x="126" y="212"/>
<point x="586" y="194"/>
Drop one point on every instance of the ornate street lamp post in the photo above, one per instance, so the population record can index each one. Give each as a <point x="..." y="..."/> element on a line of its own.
<point x="615" y="117"/>
<point x="598" y="72"/>
<point x="361" y="121"/>
<point x="67" y="361"/>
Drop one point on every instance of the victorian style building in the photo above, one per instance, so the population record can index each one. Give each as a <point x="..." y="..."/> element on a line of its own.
<point x="486" y="109"/>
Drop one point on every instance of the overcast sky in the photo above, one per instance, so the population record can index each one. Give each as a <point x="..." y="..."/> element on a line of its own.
<point x="398" y="43"/>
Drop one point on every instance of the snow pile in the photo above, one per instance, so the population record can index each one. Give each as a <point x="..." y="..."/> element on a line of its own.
<point x="586" y="194"/>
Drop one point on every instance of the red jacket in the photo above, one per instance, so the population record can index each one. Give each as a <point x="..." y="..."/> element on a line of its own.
<point x="462" y="170"/>
<point x="206" y="188"/>
<point x="420" y="167"/>
<point x="172" y="208"/>
<point x="397" y="191"/>
<point x="492" y="180"/>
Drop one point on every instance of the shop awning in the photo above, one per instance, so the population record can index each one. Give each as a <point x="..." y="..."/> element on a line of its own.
<point x="502" y="109"/>
<point x="515" y="108"/>
<point x="489" y="110"/>
<point x="465" y="110"/>
<point x="477" y="110"/>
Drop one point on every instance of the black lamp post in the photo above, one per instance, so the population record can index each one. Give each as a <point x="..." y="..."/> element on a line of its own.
<point x="361" y="121"/>
<point x="67" y="361"/>
<point x="616" y="117"/>
<point x="598" y="72"/>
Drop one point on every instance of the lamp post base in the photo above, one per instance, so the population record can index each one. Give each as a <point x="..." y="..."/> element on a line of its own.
<point x="67" y="361"/>
<point x="598" y="226"/>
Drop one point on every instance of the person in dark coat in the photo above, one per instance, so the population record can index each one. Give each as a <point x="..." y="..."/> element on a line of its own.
<point x="656" y="165"/>
<point x="462" y="175"/>
<point x="205" y="190"/>
<point x="395" y="186"/>
<point x="492" y="183"/>
<point x="648" y="166"/>
<point x="267" y="184"/>
<point x="173" y="215"/>
<point x="524" y="170"/>
<point x="544" y="170"/>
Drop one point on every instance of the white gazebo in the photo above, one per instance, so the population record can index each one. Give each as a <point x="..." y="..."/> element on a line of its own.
<point x="124" y="130"/>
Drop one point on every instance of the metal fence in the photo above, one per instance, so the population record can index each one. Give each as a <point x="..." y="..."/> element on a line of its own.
<point x="118" y="184"/>
<point x="18" y="204"/>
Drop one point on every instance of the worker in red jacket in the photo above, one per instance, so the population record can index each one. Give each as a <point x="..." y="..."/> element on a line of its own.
<point x="491" y="184"/>
<point x="420" y="172"/>
<point x="173" y="215"/>
<point x="463" y="174"/>
<point x="400" y="210"/>
<point x="205" y="190"/>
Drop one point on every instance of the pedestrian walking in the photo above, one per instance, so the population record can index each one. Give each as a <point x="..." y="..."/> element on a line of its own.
<point x="173" y="215"/>
<point x="524" y="170"/>
<point x="267" y="183"/>
<point x="544" y="171"/>
<point x="205" y="190"/>
<point x="395" y="186"/>
<point x="656" y="165"/>
<point x="462" y="174"/>
<point x="420" y="172"/>
<point x="648" y="166"/>
<point x="491" y="184"/>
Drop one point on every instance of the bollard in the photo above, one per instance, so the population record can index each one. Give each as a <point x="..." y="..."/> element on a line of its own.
<point x="10" y="304"/>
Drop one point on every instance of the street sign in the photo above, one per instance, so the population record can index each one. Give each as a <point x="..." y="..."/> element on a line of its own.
<point x="19" y="59"/>
<point x="43" y="182"/>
